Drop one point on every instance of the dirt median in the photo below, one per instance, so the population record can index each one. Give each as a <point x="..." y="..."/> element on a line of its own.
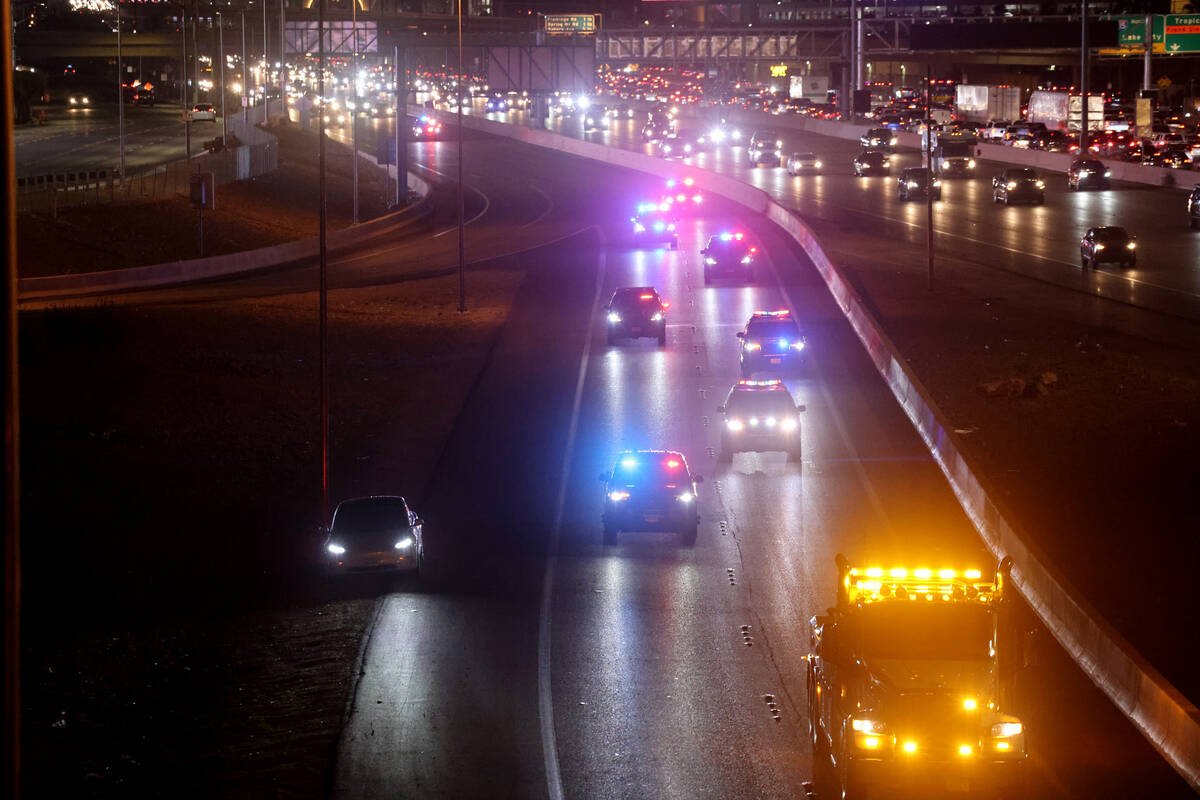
<point x="175" y="635"/>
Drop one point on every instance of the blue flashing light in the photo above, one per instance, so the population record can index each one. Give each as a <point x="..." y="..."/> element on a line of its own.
<point x="658" y="226"/>
<point x="629" y="462"/>
<point x="726" y="237"/>
<point x="671" y="183"/>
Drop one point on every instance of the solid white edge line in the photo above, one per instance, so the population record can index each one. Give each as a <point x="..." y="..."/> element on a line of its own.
<point x="545" y="692"/>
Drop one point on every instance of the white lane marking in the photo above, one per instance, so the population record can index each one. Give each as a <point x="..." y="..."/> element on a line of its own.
<point x="549" y="207"/>
<point x="486" y="202"/>
<point x="545" y="697"/>
<point x="965" y="238"/>
<point x="834" y="410"/>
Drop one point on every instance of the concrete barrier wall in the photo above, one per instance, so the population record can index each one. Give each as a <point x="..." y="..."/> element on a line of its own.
<point x="198" y="269"/>
<point x="1165" y="717"/>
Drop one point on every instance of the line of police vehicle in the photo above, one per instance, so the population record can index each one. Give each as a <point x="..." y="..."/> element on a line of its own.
<point x="909" y="676"/>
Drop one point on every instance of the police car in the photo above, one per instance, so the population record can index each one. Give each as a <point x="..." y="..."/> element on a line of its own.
<point x="729" y="255"/>
<point x="634" y="312"/>
<point x="653" y="224"/>
<point x="771" y="342"/>
<point x="650" y="490"/>
<point x="683" y="196"/>
<point x="760" y="416"/>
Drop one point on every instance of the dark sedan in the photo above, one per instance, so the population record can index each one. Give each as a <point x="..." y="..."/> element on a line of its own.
<point x="1108" y="243"/>
<point x="1017" y="185"/>
<point x="872" y="162"/>
<point x="1086" y="173"/>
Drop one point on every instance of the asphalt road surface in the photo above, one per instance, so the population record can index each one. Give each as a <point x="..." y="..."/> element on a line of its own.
<point x="533" y="661"/>
<point x="1039" y="242"/>
<point x="75" y="139"/>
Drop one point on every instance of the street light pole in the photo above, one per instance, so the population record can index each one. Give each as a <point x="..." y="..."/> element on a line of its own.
<point x="221" y="56"/>
<point x="183" y="96"/>
<point x="401" y="130"/>
<point x="245" y="75"/>
<point x="1083" y="79"/>
<point x="462" y="265"/>
<point x="120" y="93"/>
<point x="324" y="265"/>
<point x="266" y="63"/>
<point x="929" y="167"/>
<point x="354" y="111"/>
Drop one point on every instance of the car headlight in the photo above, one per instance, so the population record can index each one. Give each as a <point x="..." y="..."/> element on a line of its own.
<point x="735" y="425"/>
<point x="817" y="164"/>
<point x="753" y="346"/>
<point x="887" y="163"/>
<point x="778" y="152"/>
<point x="868" y="726"/>
<point x="971" y="163"/>
<point x="687" y="148"/>
<point x="1107" y="172"/>
<point x="404" y="543"/>
<point x="686" y="497"/>
<point x="335" y="548"/>
<point x="614" y="316"/>
<point x="937" y="182"/>
<point x="709" y="260"/>
<point x="1007" y="729"/>
<point x="1099" y="247"/>
<point x="618" y="496"/>
<point x="912" y="184"/>
<point x="894" y="140"/>
<point x="737" y="135"/>
<point x="1012" y="185"/>
<point x="656" y="317"/>
<point x="747" y="259"/>
<point x="1131" y="245"/>
<point x="771" y="422"/>
<point x="779" y="142"/>
<point x="789" y="424"/>
<point x="1040" y="184"/>
<point x="798" y="345"/>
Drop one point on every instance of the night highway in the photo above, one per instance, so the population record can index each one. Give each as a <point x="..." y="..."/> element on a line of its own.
<point x="585" y="470"/>
<point x="75" y="138"/>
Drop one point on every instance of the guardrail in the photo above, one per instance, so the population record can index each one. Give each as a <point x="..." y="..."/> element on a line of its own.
<point x="1165" y="717"/>
<point x="87" y="284"/>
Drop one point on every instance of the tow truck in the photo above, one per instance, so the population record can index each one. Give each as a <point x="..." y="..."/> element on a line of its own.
<point x="909" y="682"/>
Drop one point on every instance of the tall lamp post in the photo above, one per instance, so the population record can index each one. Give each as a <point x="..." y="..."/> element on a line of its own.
<point x="324" y="266"/>
<point x="1083" y="79"/>
<point x="120" y="93"/>
<point x="462" y="267"/>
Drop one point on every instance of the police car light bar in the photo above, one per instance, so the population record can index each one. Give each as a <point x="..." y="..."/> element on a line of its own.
<point x="771" y="382"/>
<point x="781" y="313"/>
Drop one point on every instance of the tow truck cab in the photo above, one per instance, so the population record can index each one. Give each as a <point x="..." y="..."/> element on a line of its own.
<point x="909" y="679"/>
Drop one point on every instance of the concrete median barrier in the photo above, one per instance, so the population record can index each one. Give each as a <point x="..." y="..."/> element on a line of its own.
<point x="1165" y="717"/>
<point x="176" y="272"/>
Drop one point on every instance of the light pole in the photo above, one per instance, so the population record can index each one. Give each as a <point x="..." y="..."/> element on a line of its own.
<point x="324" y="266"/>
<point x="120" y="93"/>
<point x="929" y="167"/>
<point x="266" y="63"/>
<point x="462" y="266"/>
<point x="354" y="112"/>
<point x="1083" y="80"/>
<point x="245" y="75"/>
<point x="221" y="56"/>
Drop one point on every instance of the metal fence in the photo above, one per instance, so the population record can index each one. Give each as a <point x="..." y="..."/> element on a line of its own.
<point x="256" y="154"/>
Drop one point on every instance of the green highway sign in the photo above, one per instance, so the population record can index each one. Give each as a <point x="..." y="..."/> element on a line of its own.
<point x="1131" y="31"/>
<point x="571" y="23"/>
<point x="1182" y="33"/>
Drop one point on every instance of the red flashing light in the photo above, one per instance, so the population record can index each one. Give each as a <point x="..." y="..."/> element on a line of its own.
<point x="646" y="296"/>
<point x="753" y="249"/>
<point x="673" y="463"/>
<point x="665" y="305"/>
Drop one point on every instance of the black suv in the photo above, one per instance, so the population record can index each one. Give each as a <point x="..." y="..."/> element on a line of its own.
<point x="634" y="312"/>
<point x="1018" y="184"/>
<point x="915" y="182"/>
<point x="760" y="416"/>
<point x="651" y="490"/>
<point x="728" y="255"/>
<point x="771" y="342"/>
<point x="1086" y="172"/>
<point x="766" y="147"/>
<point x="877" y="138"/>
<point x="1193" y="208"/>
